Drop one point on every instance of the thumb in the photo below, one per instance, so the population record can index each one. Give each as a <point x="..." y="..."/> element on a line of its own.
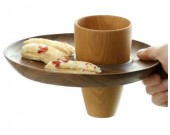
<point x="149" y="53"/>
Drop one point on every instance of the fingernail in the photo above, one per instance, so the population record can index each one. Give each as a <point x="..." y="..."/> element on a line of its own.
<point x="140" y="51"/>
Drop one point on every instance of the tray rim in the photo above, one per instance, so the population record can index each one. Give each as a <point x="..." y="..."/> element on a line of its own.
<point x="156" y="63"/>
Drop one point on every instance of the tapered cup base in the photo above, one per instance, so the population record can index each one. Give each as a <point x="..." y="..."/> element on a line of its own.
<point x="102" y="102"/>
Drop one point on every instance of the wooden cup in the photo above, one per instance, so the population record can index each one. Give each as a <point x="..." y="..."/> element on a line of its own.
<point x="102" y="40"/>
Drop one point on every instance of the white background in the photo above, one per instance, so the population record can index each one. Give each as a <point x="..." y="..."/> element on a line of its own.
<point x="32" y="108"/>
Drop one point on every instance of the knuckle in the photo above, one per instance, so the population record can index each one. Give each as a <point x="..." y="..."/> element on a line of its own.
<point x="149" y="90"/>
<point x="152" y="80"/>
<point x="155" y="100"/>
<point x="159" y="98"/>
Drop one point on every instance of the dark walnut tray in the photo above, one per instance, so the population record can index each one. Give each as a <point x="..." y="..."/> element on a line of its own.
<point x="129" y="72"/>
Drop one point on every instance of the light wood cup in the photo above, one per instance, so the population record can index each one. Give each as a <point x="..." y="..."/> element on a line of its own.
<point x="102" y="40"/>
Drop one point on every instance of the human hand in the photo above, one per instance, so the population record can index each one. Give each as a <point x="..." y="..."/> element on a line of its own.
<point x="155" y="86"/>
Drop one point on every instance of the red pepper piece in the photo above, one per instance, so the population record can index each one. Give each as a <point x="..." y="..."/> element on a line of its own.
<point x="56" y="63"/>
<point x="42" y="49"/>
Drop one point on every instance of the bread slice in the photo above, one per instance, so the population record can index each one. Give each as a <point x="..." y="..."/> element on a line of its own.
<point x="62" y="46"/>
<point x="41" y="52"/>
<point x="78" y="67"/>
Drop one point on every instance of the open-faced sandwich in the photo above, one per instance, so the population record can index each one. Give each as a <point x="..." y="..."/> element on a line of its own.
<point x="79" y="67"/>
<point x="41" y="52"/>
<point x="62" y="46"/>
<point x="56" y="55"/>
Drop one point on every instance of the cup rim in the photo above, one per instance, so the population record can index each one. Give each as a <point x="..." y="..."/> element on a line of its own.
<point x="120" y="29"/>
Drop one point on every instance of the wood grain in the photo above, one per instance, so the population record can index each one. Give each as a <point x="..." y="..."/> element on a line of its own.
<point x="111" y="75"/>
<point x="103" y="40"/>
<point x="102" y="102"/>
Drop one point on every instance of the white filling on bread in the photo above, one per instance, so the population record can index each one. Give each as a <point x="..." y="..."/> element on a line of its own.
<point x="72" y="67"/>
<point x="63" y="47"/>
<point x="41" y="52"/>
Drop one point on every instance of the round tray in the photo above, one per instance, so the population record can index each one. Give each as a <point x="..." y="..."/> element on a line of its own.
<point x="111" y="75"/>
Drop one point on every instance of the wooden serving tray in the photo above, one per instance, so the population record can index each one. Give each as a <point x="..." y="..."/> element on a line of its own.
<point x="130" y="72"/>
